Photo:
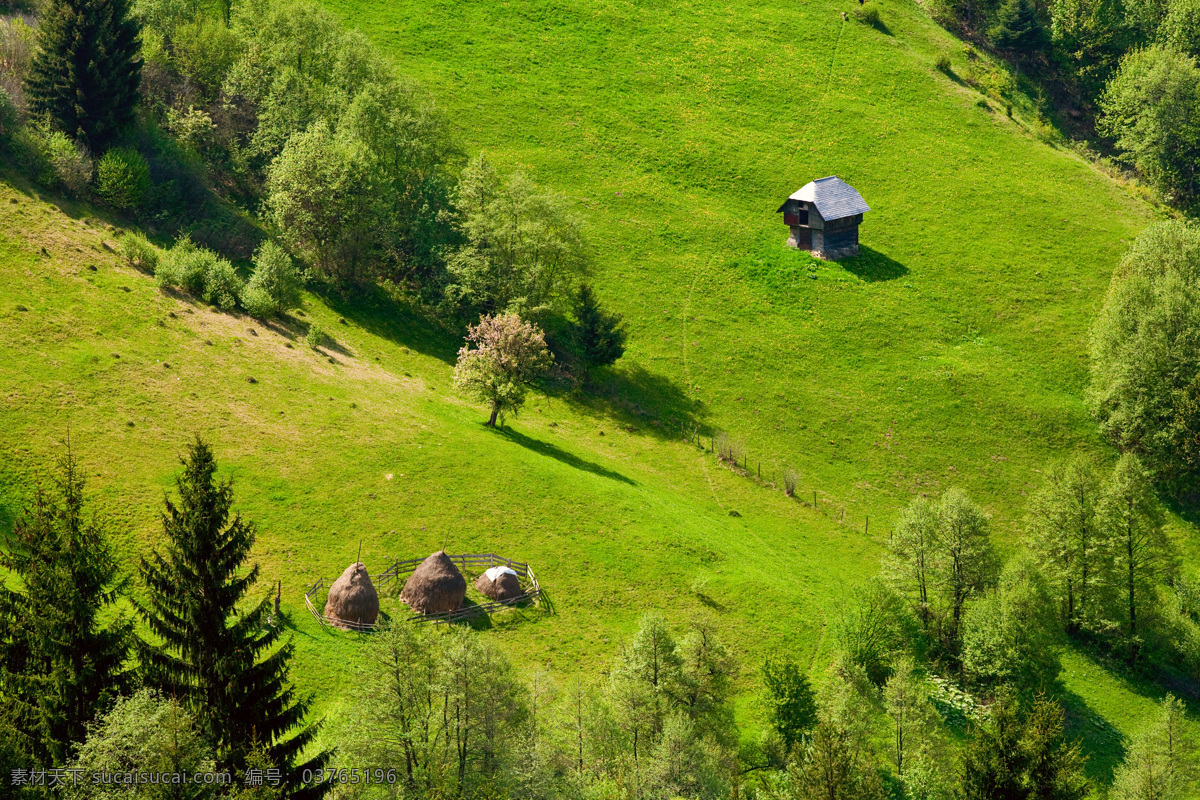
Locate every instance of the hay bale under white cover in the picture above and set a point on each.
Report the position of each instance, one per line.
(499, 583)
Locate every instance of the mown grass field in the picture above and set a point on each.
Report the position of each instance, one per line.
(952, 353)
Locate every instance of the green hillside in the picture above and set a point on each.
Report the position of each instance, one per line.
(951, 353)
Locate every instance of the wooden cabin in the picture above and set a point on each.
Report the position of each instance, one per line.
(824, 217)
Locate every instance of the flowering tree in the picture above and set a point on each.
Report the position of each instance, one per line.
(508, 353)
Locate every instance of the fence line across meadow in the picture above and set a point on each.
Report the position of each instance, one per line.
(466, 561)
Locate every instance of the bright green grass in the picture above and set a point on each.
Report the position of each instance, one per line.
(952, 353)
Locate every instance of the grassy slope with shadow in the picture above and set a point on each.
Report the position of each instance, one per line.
(677, 127)
(377, 447)
(951, 353)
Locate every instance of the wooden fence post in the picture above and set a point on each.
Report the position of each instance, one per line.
(867, 527)
(814, 498)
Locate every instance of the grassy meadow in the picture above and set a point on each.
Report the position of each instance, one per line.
(952, 352)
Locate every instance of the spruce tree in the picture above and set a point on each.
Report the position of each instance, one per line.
(598, 336)
(220, 659)
(59, 665)
(87, 69)
(1017, 28)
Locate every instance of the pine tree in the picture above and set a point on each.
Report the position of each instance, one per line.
(1017, 28)
(598, 336)
(59, 665)
(1020, 753)
(219, 659)
(87, 69)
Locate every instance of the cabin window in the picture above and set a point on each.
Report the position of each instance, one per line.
(802, 216)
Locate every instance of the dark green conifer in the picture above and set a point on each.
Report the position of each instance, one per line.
(59, 665)
(220, 659)
(598, 336)
(87, 69)
(1018, 28)
(1020, 752)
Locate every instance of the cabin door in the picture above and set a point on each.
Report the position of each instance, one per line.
(803, 238)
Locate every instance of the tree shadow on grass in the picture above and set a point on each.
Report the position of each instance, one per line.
(636, 399)
(1103, 744)
(401, 321)
(873, 266)
(557, 453)
(882, 27)
(629, 396)
(952, 75)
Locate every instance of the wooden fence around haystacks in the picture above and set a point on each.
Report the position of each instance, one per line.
(474, 561)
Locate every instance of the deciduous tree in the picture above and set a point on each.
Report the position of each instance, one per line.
(507, 356)
(275, 283)
(966, 561)
(144, 733)
(1064, 532)
(911, 550)
(524, 248)
(1142, 553)
(1012, 634)
(1149, 108)
(913, 719)
(1145, 354)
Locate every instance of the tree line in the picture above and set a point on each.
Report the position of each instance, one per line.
(206, 688)
(949, 644)
(1124, 71)
(174, 112)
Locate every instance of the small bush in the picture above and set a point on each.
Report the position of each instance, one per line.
(790, 479)
(199, 272)
(184, 266)
(943, 63)
(276, 277)
(54, 161)
(222, 286)
(123, 179)
(869, 15)
(315, 336)
(138, 252)
(257, 302)
(728, 449)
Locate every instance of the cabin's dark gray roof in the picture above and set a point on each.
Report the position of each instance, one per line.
(833, 197)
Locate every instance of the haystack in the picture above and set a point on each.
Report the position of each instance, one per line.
(499, 583)
(436, 586)
(352, 599)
